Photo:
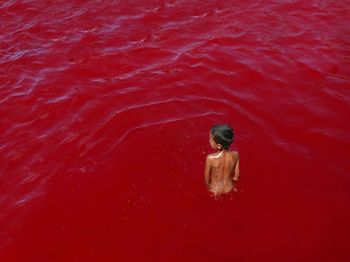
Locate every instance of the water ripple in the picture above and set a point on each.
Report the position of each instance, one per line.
(79, 79)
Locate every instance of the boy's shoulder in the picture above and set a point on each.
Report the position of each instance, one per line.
(210, 156)
(235, 153)
(213, 156)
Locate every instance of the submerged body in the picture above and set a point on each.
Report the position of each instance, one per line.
(222, 170)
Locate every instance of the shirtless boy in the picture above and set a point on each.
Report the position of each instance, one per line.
(221, 167)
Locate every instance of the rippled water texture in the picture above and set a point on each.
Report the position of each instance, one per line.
(105, 111)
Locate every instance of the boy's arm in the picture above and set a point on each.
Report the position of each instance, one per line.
(236, 176)
(207, 171)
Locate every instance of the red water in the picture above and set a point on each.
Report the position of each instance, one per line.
(105, 111)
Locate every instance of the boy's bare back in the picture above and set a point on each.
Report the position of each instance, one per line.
(222, 169)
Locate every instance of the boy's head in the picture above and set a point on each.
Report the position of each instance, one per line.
(222, 136)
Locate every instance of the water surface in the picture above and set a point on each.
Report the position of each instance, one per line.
(105, 110)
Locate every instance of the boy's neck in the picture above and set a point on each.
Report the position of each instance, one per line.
(222, 150)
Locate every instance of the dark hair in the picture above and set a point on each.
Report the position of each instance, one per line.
(222, 134)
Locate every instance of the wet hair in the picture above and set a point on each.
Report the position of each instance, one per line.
(222, 134)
